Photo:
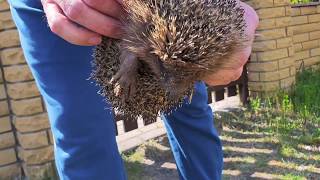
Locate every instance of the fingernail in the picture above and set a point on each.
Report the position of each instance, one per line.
(95, 40)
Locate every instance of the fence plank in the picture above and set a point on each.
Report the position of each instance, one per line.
(128, 123)
(209, 91)
(243, 87)
(219, 95)
(232, 91)
(149, 120)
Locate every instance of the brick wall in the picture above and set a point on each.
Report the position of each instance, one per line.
(286, 37)
(9, 161)
(306, 35)
(25, 139)
(272, 66)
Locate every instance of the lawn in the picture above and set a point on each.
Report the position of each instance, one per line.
(248, 154)
(273, 138)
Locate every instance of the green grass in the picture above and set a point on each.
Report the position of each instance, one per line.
(302, 1)
(291, 114)
(133, 163)
(285, 123)
(293, 177)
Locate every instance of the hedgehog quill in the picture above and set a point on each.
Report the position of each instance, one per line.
(167, 46)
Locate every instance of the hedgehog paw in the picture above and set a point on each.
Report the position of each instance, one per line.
(125, 85)
(125, 78)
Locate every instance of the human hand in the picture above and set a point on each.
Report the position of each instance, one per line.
(83, 22)
(226, 75)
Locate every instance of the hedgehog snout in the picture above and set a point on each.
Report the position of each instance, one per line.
(173, 86)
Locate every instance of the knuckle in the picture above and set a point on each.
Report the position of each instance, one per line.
(75, 10)
(56, 26)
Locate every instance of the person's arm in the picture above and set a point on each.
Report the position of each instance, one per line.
(225, 76)
(82, 22)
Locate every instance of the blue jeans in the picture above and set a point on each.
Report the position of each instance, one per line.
(83, 130)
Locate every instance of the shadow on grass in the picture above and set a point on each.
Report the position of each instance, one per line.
(250, 152)
(258, 155)
(151, 161)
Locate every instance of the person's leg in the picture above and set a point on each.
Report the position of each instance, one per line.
(194, 140)
(84, 132)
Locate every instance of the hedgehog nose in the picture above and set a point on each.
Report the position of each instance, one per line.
(171, 92)
(169, 85)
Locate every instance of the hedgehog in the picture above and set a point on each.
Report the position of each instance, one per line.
(167, 46)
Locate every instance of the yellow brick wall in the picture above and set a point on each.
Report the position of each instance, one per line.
(288, 38)
(272, 66)
(9, 161)
(305, 27)
(26, 145)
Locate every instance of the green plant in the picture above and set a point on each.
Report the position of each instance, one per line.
(292, 177)
(293, 113)
(286, 104)
(302, 1)
(255, 105)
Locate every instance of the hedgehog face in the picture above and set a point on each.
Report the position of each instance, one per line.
(175, 87)
(176, 81)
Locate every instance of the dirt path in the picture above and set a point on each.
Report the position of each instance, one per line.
(151, 161)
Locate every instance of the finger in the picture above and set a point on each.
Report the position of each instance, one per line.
(223, 77)
(214, 80)
(237, 60)
(241, 57)
(236, 75)
(108, 7)
(231, 75)
(64, 28)
(91, 19)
